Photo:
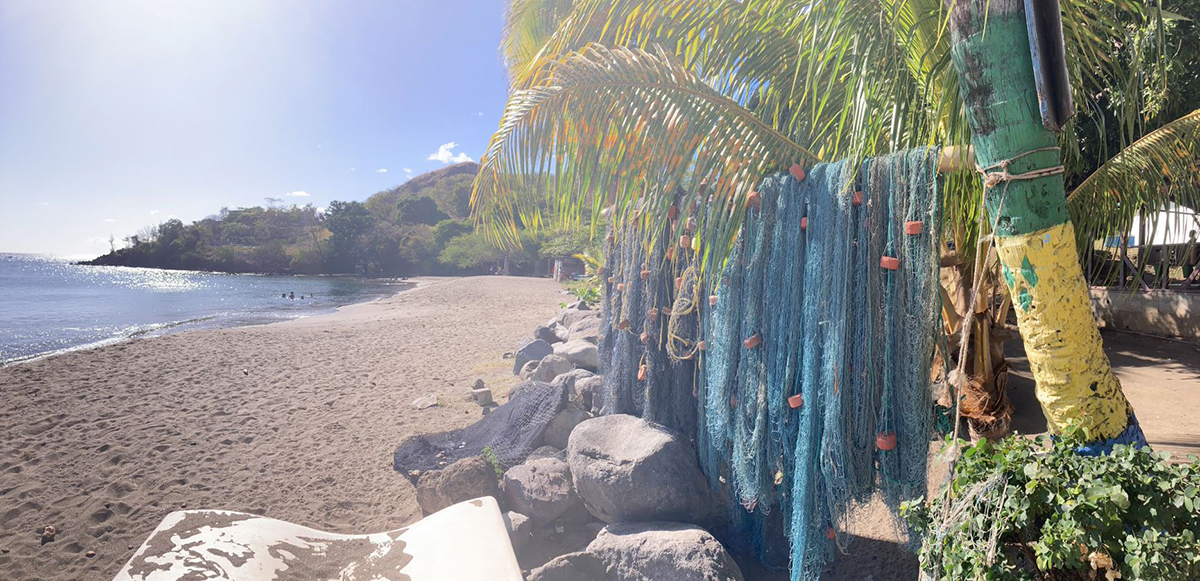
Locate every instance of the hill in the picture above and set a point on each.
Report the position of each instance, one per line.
(419, 227)
(449, 188)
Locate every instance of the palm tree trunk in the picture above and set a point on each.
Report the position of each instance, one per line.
(1033, 234)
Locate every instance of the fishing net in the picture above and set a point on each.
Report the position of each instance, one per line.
(641, 377)
(510, 432)
(807, 354)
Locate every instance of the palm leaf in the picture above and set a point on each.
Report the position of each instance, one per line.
(627, 128)
(1162, 167)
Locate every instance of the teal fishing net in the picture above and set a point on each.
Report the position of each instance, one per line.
(812, 391)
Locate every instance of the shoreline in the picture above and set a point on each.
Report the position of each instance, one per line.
(158, 330)
(296, 420)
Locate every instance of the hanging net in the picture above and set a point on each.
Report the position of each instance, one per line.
(800, 367)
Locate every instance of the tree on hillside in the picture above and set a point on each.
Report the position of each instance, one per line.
(448, 229)
(422, 210)
(346, 222)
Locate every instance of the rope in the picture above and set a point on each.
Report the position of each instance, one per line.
(990, 180)
(993, 179)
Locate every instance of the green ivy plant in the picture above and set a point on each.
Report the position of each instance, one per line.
(1025, 508)
(490, 455)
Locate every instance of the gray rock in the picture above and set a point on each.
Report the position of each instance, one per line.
(463, 480)
(532, 351)
(550, 367)
(569, 380)
(586, 330)
(591, 392)
(579, 306)
(560, 428)
(627, 469)
(569, 317)
(540, 488)
(426, 401)
(581, 354)
(662, 550)
(546, 334)
(559, 331)
(520, 530)
(482, 396)
(578, 566)
(527, 371)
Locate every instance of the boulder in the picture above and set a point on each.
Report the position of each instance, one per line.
(560, 428)
(559, 331)
(579, 306)
(569, 317)
(578, 566)
(662, 550)
(463, 480)
(532, 351)
(546, 334)
(586, 330)
(550, 367)
(540, 488)
(627, 469)
(581, 354)
(520, 530)
(591, 392)
(569, 380)
(527, 371)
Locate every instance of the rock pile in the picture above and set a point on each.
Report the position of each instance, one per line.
(610, 497)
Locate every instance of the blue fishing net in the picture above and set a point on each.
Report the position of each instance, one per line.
(829, 295)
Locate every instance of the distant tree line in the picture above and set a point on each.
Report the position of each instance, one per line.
(419, 228)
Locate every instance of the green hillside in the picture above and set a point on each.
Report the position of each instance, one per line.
(449, 188)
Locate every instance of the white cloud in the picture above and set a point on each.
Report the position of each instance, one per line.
(444, 154)
(44, 204)
(110, 220)
(408, 170)
(479, 113)
(353, 169)
(381, 170)
(321, 210)
(153, 212)
(297, 194)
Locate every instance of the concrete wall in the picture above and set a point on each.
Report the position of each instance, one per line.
(1158, 312)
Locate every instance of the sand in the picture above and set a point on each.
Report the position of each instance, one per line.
(103, 443)
(295, 420)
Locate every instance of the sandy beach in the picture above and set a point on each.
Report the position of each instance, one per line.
(298, 421)
(295, 420)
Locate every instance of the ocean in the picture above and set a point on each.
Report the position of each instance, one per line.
(48, 305)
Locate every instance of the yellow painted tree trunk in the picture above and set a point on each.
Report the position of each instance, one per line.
(1033, 233)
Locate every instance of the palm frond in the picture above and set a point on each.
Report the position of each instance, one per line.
(627, 128)
(1161, 168)
(529, 24)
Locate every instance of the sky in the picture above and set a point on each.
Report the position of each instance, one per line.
(117, 114)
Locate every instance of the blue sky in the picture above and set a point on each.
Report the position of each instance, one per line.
(115, 114)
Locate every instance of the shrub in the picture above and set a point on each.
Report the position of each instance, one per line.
(1035, 509)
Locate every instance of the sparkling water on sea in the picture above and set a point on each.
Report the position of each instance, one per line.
(48, 305)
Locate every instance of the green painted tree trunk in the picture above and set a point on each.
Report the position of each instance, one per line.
(1033, 233)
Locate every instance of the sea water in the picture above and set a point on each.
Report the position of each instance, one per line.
(49, 305)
